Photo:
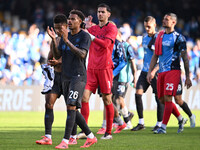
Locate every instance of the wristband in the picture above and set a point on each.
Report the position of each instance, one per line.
(92, 36)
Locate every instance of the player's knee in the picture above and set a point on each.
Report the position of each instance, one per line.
(107, 101)
(86, 96)
(85, 99)
(49, 105)
(178, 101)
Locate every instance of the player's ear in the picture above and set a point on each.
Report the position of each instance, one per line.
(109, 14)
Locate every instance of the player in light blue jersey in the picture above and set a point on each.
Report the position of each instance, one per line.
(142, 84)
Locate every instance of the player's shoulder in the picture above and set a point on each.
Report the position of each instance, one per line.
(83, 34)
(111, 25)
(179, 36)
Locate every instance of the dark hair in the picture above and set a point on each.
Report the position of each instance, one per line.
(104, 5)
(80, 15)
(60, 18)
(149, 18)
(173, 16)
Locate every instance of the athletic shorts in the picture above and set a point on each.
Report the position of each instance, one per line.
(180, 88)
(144, 85)
(99, 77)
(57, 84)
(119, 88)
(167, 82)
(73, 90)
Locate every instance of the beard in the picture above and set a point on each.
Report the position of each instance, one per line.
(165, 26)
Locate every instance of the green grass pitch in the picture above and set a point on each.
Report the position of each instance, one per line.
(20, 130)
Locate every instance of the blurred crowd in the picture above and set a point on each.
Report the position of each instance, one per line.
(24, 44)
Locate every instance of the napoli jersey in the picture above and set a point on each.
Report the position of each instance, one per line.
(72, 65)
(149, 48)
(125, 73)
(172, 45)
(118, 54)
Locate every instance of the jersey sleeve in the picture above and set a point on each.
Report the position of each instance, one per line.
(181, 43)
(111, 33)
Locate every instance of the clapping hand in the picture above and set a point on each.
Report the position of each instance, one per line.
(51, 32)
(88, 22)
(64, 33)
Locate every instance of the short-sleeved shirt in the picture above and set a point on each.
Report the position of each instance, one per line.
(101, 57)
(148, 51)
(72, 65)
(172, 45)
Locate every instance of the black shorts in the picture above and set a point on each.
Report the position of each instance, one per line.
(57, 84)
(119, 88)
(180, 88)
(73, 90)
(143, 84)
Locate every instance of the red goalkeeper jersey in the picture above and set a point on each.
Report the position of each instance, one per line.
(100, 52)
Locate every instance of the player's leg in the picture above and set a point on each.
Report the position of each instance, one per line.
(49, 115)
(91, 139)
(50, 99)
(141, 87)
(71, 95)
(109, 115)
(118, 120)
(160, 106)
(90, 88)
(121, 92)
(48, 119)
(167, 85)
(80, 120)
(85, 111)
(183, 105)
(105, 82)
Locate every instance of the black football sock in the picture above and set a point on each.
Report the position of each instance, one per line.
(48, 120)
(160, 109)
(126, 119)
(71, 116)
(74, 131)
(80, 121)
(186, 109)
(139, 105)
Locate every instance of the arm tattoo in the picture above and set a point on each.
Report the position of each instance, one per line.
(186, 62)
(79, 52)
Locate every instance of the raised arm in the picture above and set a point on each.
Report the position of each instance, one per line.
(82, 53)
(54, 45)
